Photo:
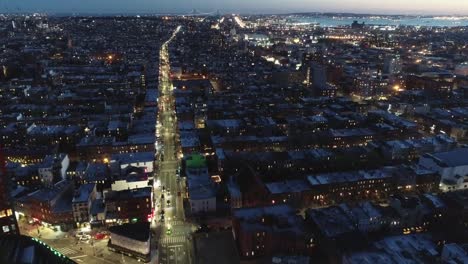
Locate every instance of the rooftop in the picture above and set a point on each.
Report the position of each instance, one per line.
(133, 157)
(454, 158)
(351, 176)
(195, 161)
(332, 221)
(83, 192)
(138, 231)
(275, 218)
(291, 186)
(216, 247)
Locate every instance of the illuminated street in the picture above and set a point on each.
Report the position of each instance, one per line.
(174, 244)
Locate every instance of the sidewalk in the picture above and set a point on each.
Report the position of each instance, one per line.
(39, 231)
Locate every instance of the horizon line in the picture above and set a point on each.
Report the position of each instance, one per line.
(179, 13)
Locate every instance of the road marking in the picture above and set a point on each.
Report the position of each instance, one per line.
(173, 240)
(82, 256)
(175, 246)
(67, 251)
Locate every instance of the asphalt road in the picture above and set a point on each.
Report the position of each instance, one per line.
(92, 251)
(174, 243)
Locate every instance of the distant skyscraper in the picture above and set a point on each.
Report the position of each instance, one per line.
(392, 65)
(233, 32)
(307, 80)
(357, 25)
(69, 42)
(8, 224)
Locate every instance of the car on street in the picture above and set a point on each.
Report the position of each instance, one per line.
(99, 236)
(85, 238)
(80, 234)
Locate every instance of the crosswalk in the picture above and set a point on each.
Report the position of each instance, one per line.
(176, 222)
(67, 251)
(173, 240)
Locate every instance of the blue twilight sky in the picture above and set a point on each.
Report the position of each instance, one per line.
(459, 7)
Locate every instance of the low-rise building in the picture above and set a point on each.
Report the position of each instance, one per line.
(131, 239)
(50, 206)
(129, 205)
(53, 169)
(338, 186)
(452, 167)
(202, 196)
(82, 201)
(131, 178)
(396, 249)
(264, 231)
(201, 191)
(140, 159)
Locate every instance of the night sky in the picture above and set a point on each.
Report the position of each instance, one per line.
(252, 6)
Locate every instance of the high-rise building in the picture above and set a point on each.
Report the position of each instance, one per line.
(8, 224)
(319, 75)
(392, 65)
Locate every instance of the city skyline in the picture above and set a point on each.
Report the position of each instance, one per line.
(418, 7)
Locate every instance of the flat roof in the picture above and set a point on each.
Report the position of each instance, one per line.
(216, 247)
(288, 186)
(83, 193)
(138, 231)
(195, 161)
(454, 158)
